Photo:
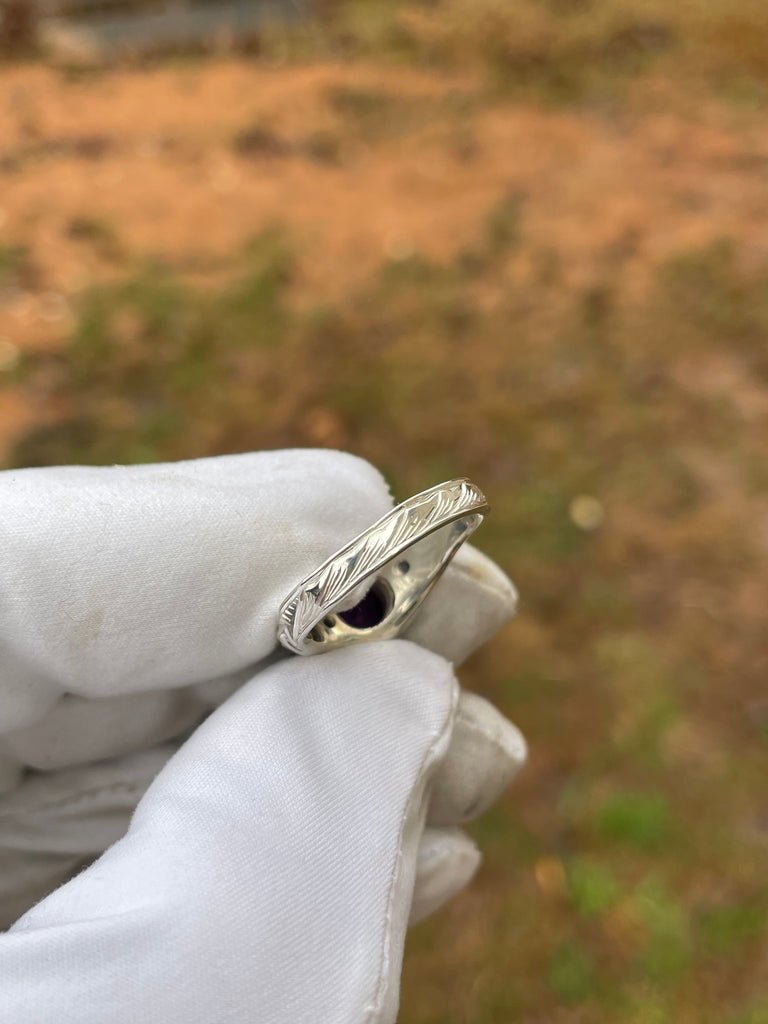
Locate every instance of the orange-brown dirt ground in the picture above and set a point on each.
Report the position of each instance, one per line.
(151, 156)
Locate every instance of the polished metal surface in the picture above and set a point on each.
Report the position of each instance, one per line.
(370, 588)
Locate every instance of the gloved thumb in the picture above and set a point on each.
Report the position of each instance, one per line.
(268, 871)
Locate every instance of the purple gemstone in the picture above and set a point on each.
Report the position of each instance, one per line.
(366, 613)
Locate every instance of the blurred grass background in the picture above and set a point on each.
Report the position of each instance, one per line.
(586, 337)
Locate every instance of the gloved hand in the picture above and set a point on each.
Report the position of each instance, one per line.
(271, 867)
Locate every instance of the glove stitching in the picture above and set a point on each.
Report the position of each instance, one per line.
(417, 793)
(73, 801)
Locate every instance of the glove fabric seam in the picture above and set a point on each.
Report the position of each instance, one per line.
(73, 801)
(417, 793)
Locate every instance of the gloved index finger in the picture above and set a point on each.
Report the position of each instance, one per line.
(123, 579)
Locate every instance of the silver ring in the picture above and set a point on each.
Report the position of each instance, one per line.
(370, 588)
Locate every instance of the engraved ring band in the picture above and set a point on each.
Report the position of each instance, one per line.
(371, 588)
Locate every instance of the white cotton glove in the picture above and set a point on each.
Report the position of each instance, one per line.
(271, 868)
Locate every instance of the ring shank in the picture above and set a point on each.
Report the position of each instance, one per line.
(392, 566)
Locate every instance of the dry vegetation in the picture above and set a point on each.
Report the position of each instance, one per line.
(523, 242)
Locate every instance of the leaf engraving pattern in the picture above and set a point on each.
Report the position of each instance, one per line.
(403, 526)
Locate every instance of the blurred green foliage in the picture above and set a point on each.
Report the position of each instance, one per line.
(571, 973)
(725, 930)
(592, 887)
(551, 51)
(11, 257)
(637, 818)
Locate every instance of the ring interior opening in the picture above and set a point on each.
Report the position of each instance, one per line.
(397, 592)
(372, 610)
